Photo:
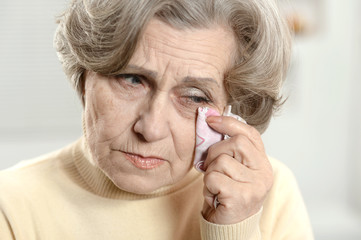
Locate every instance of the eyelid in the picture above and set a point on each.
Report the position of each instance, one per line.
(124, 76)
(149, 81)
(197, 92)
(204, 92)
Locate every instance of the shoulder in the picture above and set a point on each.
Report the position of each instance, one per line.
(31, 176)
(284, 210)
(285, 186)
(23, 180)
(282, 174)
(28, 169)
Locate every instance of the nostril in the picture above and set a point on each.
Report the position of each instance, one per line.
(141, 138)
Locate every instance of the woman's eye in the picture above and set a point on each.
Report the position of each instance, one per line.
(130, 78)
(195, 96)
(133, 85)
(198, 99)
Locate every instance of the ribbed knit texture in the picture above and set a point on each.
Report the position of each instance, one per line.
(248, 229)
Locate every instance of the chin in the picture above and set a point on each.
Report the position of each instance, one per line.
(139, 184)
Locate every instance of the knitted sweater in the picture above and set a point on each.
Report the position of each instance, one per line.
(63, 196)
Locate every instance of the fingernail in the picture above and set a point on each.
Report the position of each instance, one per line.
(214, 119)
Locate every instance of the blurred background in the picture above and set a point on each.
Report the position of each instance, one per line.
(317, 134)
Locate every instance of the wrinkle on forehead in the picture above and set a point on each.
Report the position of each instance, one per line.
(195, 44)
(152, 47)
(199, 53)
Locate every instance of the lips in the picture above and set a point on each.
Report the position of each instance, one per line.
(144, 163)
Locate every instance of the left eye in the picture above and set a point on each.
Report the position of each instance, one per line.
(195, 96)
(198, 99)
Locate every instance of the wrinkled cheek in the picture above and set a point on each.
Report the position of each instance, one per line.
(95, 136)
(98, 107)
(100, 128)
(186, 144)
(98, 138)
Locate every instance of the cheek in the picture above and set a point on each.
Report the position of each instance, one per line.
(105, 115)
(185, 140)
(184, 147)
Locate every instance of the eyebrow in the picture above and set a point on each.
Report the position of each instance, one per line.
(142, 71)
(200, 80)
(154, 75)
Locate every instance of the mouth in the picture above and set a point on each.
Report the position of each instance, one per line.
(144, 163)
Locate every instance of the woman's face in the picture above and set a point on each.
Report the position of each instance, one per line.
(140, 125)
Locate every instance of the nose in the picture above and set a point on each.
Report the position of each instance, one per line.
(153, 122)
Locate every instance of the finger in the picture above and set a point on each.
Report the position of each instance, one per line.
(208, 196)
(232, 168)
(232, 127)
(240, 148)
(219, 148)
(214, 185)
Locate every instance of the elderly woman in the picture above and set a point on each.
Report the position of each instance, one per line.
(142, 70)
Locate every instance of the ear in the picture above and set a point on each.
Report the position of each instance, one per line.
(81, 86)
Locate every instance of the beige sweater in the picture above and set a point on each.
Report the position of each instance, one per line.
(62, 196)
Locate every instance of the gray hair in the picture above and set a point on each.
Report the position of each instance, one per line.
(102, 35)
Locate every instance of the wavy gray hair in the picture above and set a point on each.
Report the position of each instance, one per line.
(102, 35)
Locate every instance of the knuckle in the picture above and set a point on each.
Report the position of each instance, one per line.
(239, 140)
(219, 161)
(216, 164)
(211, 178)
(253, 133)
(211, 151)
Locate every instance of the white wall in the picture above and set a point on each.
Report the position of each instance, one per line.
(317, 134)
(354, 126)
(39, 111)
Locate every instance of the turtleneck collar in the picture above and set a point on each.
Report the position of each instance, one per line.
(91, 178)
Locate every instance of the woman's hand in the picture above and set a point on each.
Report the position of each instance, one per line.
(237, 171)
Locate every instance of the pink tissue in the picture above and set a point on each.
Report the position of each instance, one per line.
(205, 136)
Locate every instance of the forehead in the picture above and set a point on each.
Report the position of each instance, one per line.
(201, 52)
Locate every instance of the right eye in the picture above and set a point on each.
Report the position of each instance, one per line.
(131, 85)
(131, 79)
